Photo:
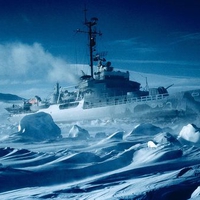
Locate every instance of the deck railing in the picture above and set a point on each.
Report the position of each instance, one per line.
(117, 100)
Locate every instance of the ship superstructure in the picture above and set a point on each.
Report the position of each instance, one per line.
(103, 93)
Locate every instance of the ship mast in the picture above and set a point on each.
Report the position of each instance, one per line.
(92, 33)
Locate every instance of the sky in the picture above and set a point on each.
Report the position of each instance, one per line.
(39, 44)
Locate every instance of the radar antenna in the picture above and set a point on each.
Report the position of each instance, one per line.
(92, 33)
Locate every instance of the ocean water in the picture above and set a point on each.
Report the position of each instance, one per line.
(154, 158)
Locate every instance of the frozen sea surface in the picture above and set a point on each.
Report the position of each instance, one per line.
(155, 158)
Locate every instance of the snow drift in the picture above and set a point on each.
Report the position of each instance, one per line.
(98, 160)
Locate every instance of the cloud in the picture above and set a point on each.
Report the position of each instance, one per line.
(133, 45)
(28, 70)
(31, 63)
(170, 62)
(184, 37)
(125, 42)
(192, 36)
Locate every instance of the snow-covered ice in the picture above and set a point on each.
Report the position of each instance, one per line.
(38, 127)
(99, 159)
(190, 133)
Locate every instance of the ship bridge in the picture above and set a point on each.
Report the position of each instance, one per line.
(106, 72)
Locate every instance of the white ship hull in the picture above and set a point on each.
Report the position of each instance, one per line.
(133, 107)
